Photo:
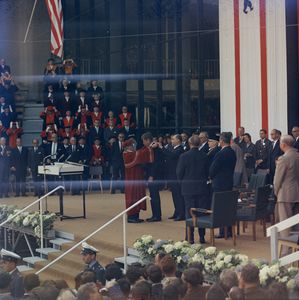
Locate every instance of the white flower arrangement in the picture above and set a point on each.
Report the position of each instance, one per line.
(214, 261)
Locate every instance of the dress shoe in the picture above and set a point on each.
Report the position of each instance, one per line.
(202, 240)
(134, 221)
(172, 217)
(151, 220)
(140, 220)
(220, 236)
(179, 219)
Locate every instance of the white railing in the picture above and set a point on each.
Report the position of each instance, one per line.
(122, 214)
(273, 231)
(40, 214)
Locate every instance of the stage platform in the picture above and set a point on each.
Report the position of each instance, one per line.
(101, 208)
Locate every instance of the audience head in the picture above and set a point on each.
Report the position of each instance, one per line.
(196, 265)
(184, 136)
(194, 141)
(73, 141)
(35, 142)
(204, 137)
(159, 257)
(125, 286)
(154, 274)
(88, 276)
(275, 134)
(111, 123)
(54, 138)
(78, 280)
(110, 114)
(215, 292)
(113, 271)
(249, 276)
(5, 280)
(19, 142)
(225, 139)
(277, 291)
(247, 138)
(168, 266)
(134, 274)
(121, 137)
(126, 123)
(176, 140)
(88, 291)
(175, 290)
(31, 281)
(45, 292)
(2, 141)
(193, 277)
(241, 131)
(61, 284)
(295, 132)
(286, 142)
(67, 294)
(228, 279)
(141, 290)
(147, 139)
(236, 293)
(124, 109)
(263, 134)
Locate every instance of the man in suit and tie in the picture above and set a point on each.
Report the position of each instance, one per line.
(172, 156)
(110, 132)
(295, 133)
(222, 169)
(274, 153)
(192, 172)
(204, 142)
(74, 156)
(19, 166)
(117, 162)
(35, 158)
(95, 132)
(263, 146)
(239, 140)
(4, 168)
(185, 143)
(286, 181)
(127, 130)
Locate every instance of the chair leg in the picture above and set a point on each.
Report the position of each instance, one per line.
(243, 226)
(101, 184)
(264, 227)
(225, 232)
(254, 230)
(234, 234)
(238, 228)
(212, 238)
(279, 249)
(189, 234)
(272, 219)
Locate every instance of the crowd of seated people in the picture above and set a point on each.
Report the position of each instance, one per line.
(157, 281)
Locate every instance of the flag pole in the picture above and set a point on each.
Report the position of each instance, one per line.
(30, 20)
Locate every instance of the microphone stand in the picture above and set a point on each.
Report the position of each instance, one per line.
(45, 181)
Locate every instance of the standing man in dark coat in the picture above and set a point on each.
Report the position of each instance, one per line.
(262, 147)
(295, 133)
(9, 261)
(172, 156)
(4, 168)
(192, 172)
(153, 177)
(204, 142)
(274, 153)
(35, 158)
(117, 162)
(239, 140)
(222, 169)
(19, 166)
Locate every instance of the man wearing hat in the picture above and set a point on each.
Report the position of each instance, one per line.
(89, 254)
(9, 262)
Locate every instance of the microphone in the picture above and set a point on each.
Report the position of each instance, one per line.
(62, 156)
(67, 160)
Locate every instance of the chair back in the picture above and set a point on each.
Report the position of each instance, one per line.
(224, 207)
(252, 182)
(237, 179)
(261, 180)
(262, 201)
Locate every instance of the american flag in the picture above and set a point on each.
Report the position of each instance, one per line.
(55, 13)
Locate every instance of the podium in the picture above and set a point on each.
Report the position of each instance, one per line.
(63, 170)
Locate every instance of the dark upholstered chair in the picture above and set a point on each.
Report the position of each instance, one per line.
(254, 209)
(237, 179)
(222, 214)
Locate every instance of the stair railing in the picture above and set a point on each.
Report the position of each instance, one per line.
(273, 231)
(123, 214)
(40, 201)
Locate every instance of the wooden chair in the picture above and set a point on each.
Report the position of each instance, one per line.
(95, 171)
(254, 209)
(222, 214)
(291, 241)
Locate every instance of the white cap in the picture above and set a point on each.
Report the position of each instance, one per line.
(8, 255)
(88, 249)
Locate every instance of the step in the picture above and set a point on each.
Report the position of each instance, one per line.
(47, 251)
(58, 242)
(31, 260)
(64, 235)
(33, 110)
(130, 260)
(24, 268)
(32, 125)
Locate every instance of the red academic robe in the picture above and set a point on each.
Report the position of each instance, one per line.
(135, 186)
(13, 134)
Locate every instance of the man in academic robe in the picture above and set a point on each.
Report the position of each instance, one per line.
(274, 153)
(9, 261)
(222, 170)
(96, 114)
(172, 155)
(19, 166)
(125, 115)
(135, 185)
(35, 158)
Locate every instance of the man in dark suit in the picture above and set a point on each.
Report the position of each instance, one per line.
(35, 158)
(19, 166)
(67, 104)
(192, 172)
(4, 168)
(185, 143)
(172, 156)
(117, 162)
(3, 67)
(127, 130)
(295, 133)
(9, 264)
(262, 146)
(153, 177)
(84, 159)
(274, 153)
(110, 132)
(83, 101)
(239, 140)
(204, 139)
(222, 169)
(74, 156)
(95, 132)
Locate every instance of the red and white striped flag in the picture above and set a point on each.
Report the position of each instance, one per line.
(55, 13)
